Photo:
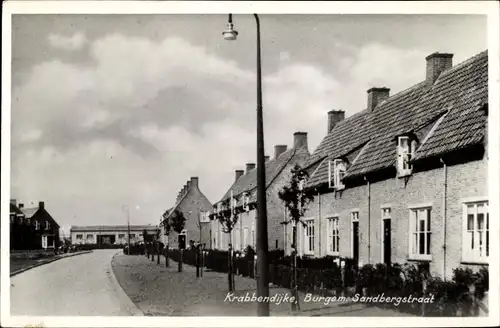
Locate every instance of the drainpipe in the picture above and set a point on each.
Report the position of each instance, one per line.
(445, 187)
(369, 219)
(319, 216)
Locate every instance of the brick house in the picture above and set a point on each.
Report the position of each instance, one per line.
(244, 194)
(32, 228)
(193, 204)
(406, 178)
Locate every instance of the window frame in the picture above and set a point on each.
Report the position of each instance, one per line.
(405, 152)
(415, 222)
(309, 236)
(37, 225)
(333, 237)
(468, 255)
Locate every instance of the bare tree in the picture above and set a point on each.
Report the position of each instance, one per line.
(296, 198)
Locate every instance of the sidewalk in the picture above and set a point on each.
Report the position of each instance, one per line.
(160, 291)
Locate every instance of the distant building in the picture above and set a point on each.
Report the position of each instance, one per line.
(193, 204)
(110, 234)
(243, 194)
(32, 228)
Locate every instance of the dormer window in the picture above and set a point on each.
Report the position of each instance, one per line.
(246, 202)
(336, 173)
(406, 149)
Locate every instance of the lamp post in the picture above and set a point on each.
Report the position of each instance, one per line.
(262, 247)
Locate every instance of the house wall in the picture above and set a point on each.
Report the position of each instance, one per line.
(464, 181)
(275, 212)
(191, 206)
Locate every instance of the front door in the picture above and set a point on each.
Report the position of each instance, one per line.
(355, 241)
(387, 242)
(44, 242)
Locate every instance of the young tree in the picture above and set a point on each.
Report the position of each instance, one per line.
(178, 221)
(145, 238)
(167, 229)
(228, 217)
(296, 198)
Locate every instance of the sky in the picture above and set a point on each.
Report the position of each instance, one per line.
(121, 110)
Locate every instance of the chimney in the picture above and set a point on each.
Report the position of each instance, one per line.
(194, 182)
(266, 158)
(238, 174)
(13, 202)
(279, 149)
(249, 167)
(376, 96)
(300, 140)
(41, 205)
(436, 64)
(21, 205)
(334, 117)
(188, 186)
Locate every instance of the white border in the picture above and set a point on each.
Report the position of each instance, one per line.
(489, 8)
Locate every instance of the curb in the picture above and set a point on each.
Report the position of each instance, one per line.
(131, 307)
(47, 262)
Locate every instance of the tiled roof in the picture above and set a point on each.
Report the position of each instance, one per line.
(97, 228)
(248, 181)
(459, 92)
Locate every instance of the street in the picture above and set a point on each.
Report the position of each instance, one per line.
(81, 285)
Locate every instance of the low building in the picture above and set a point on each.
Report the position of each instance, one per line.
(110, 234)
(193, 204)
(405, 180)
(32, 228)
(243, 194)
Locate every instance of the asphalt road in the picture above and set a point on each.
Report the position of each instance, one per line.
(82, 285)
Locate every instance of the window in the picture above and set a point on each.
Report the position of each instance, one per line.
(90, 237)
(79, 237)
(420, 233)
(132, 235)
(309, 237)
(333, 236)
(245, 237)
(47, 225)
(476, 232)
(336, 172)
(355, 216)
(406, 148)
(28, 221)
(237, 238)
(121, 236)
(204, 217)
(20, 219)
(246, 202)
(37, 225)
(12, 218)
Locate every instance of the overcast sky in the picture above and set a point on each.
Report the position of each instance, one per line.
(109, 110)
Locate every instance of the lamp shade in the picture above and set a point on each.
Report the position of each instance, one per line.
(230, 33)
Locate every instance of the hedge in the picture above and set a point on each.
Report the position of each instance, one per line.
(324, 276)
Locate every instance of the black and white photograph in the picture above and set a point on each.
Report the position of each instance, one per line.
(172, 163)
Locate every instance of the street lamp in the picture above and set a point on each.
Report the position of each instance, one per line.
(262, 247)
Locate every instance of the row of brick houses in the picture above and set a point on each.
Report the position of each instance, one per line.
(403, 180)
(32, 228)
(243, 192)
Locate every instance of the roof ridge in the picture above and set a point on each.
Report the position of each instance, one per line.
(463, 63)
